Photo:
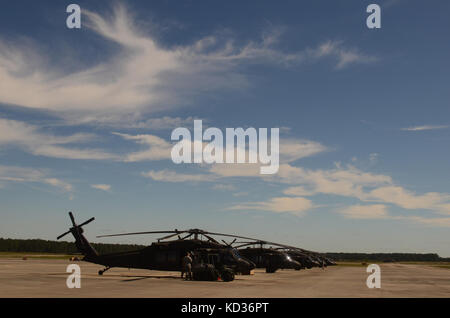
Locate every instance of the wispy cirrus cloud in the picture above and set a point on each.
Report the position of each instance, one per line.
(426, 127)
(381, 212)
(39, 143)
(155, 148)
(296, 206)
(143, 76)
(172, 176)
(375, 211)
(135, 120)
(343, 55)
(103, 187)
(31, 175)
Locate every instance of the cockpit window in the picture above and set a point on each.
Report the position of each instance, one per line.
(236, 253)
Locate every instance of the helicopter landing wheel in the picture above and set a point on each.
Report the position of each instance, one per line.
(227, 276)
(100, 272)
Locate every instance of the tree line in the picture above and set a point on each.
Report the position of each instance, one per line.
(387, 257)
(56, 247)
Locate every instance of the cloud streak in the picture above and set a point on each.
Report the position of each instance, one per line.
(31, 175)
(33, 140)
(296, 206)
(376, 211)
(426, 127)
(103, 187)
(172, 176)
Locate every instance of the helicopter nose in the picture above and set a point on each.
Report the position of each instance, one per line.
(296, 264)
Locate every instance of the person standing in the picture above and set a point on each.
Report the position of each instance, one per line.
(187, 266)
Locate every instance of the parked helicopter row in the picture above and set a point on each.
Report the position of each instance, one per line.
(212, 259)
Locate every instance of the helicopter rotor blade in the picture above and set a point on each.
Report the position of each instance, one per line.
(88, 221)
(243, 245)
(138, 233)
(63, 235)
(254, 241)
(75, 227)
(231, 235)
(210, 238)
(169, 236)
(229, 244)
(72, 219)
(185, 237)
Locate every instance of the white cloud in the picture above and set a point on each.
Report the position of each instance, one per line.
(103, 187)
(31, 175)
(156, 148)
(406, 199)
(293, 149)
(426, 127)
(132, 121)
(163, 123)
(172, 176)
(354, 183)
(343, 55)
(58, 183)
(296, 206)
(340, 181)
(290, 150)
(298, 191)
(376, 211)
(33, 140)
(347, 182)
(380, 211)
(142, 76)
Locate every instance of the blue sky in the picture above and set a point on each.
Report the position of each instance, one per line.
(86, 117)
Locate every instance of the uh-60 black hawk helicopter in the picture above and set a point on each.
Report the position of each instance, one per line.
(268, 258)
(211, 258)
(273, 256)
(308, 259)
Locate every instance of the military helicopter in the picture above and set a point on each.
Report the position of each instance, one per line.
(213, 257)
(276, 256)
(308, 258)
(266, 257)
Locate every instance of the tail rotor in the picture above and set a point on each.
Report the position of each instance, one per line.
(76, 229)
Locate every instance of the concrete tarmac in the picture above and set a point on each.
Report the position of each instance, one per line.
(47, 278)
